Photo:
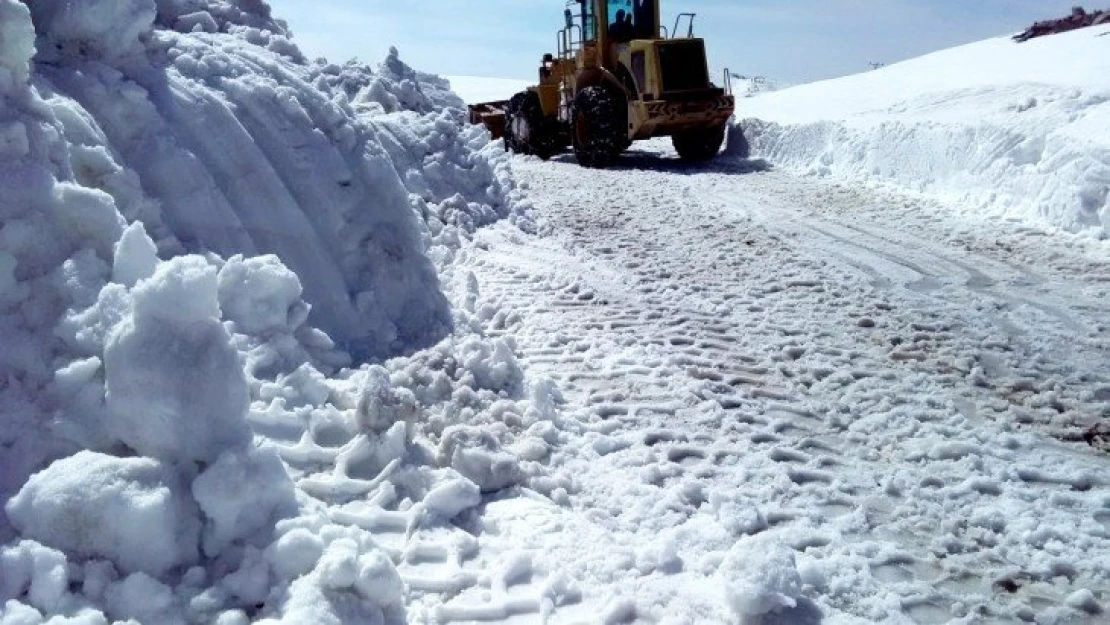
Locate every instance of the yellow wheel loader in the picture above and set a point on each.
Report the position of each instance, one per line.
(618, 75)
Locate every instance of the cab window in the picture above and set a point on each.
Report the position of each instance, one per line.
(632, 19)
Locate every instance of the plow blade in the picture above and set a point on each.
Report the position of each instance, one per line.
(491, 115)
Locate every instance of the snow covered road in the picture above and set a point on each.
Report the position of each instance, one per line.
(789, 401)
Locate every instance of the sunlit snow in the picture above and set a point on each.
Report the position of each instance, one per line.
(286, 341)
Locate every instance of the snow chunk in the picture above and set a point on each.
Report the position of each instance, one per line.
(141, 597)
(378, 580)
(736, 514)
(175, 386)
(1083, 600)
(11, 291)
(136, 256)
(242, 495)
(477, 455)
(295, 553)
(449, 499)
(17, 41)
(199, 21)
(760, 577)
(338, 568)
(132, 511)
(181, 291)
(16, 613)
(87, 217)
(14, 142)
(380, 404)
(258, 293)
(37, 571)
(490, 365)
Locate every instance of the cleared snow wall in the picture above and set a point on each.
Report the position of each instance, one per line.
(241, 147)
(1052, 178)
(1007, 131)
(179, 213)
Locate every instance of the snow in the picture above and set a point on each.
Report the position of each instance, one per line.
(242, 495)
(136, 256)
(200, 230)
(286, 341)
(259, 294)
(131, 511)
(733, 443)
(174, 385)
(1005, 130)
(760, 578)
(17, 46)
(106, 29)
(475, 89)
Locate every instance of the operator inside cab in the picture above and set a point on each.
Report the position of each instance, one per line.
(631, 19)
(622, 30)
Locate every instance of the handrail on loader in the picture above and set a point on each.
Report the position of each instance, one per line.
(690, 28)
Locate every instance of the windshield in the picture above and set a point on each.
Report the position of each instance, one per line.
(632, 19)
(589, 22)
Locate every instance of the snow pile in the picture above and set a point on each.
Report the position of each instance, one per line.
(198, 232)
(241, 150)
(456, 177)
(1013, 131)
(393, 87)
(760, 577)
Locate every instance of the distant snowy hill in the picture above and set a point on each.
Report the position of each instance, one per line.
(1008, 130)
(474, 89)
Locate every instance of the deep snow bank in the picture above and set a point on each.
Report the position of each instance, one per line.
(1017, 131)
(184, 202)
(244, 152)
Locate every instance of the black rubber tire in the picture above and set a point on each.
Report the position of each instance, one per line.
(538, 134)
(699, 145)
(512, 111)
(598, 127)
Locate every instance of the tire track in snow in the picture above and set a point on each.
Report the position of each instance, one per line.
(932, 270)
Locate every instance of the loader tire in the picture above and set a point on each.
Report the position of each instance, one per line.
(512, 112)
(701, 144)
(540, 135)
(598, 127)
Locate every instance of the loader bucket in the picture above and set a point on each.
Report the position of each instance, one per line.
(491, 115)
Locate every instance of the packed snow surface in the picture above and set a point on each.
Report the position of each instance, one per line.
(1015, 131)
(286, 342)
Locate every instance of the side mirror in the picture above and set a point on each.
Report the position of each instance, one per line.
(569, 17)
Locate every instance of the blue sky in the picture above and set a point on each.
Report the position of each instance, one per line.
(790, 41)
